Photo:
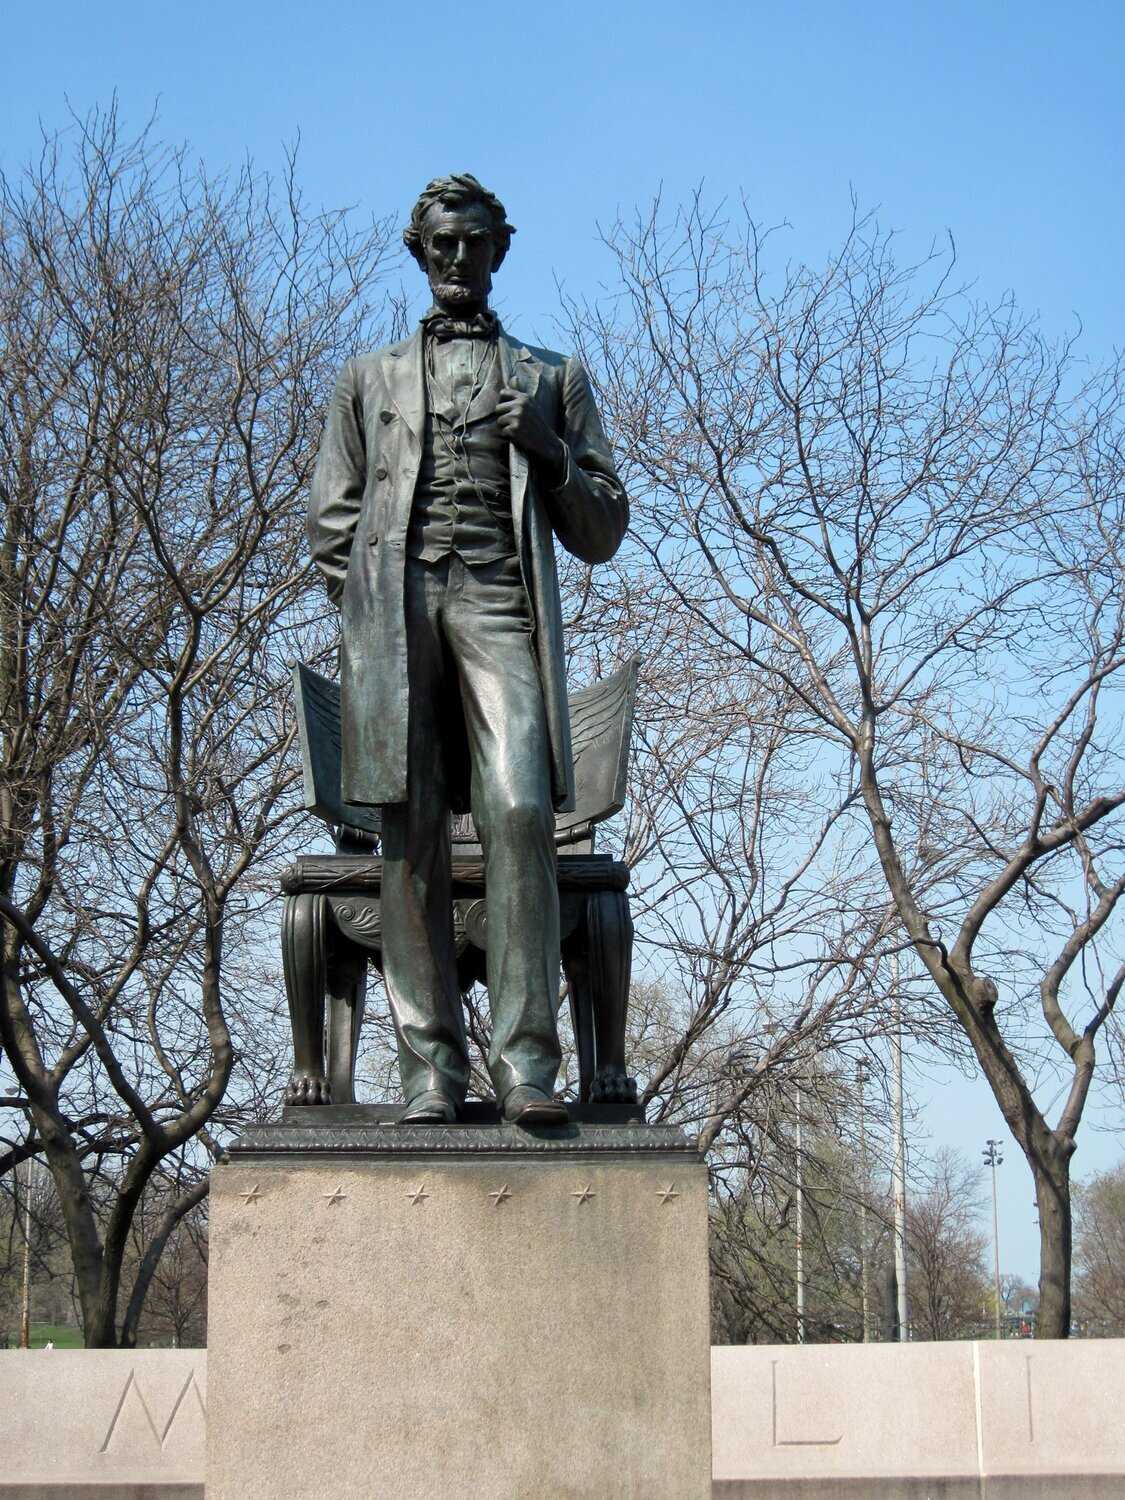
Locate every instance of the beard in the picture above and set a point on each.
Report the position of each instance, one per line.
(456, 293)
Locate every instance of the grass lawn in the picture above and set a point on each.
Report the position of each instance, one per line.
(61, 1334)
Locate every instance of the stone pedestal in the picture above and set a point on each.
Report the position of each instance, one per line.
(419, 1311)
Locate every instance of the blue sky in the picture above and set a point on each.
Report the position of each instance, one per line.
(999, 122)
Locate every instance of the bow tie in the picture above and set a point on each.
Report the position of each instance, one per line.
(483, 326)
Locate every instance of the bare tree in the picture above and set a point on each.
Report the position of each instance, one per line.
(30, 1237)
(949, 1282)
(752, 940)
(899, 512)
(1019, 1304)
(1099, 1254)
(175, 1303)
(792, 1167)
(167, 343)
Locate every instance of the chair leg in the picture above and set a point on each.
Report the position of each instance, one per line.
(576, 967)
(346, 969)
(303, 954)
(610, 949)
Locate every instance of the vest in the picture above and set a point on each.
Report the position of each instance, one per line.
(462, 500)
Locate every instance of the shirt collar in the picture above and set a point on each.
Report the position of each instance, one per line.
(442, 325)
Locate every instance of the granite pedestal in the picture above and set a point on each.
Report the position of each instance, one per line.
(479, 1311)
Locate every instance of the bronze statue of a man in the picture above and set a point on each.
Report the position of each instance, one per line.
(450, 463)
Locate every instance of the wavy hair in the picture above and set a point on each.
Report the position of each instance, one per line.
(458, 190)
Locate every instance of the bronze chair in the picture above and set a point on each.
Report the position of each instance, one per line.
(331, 924)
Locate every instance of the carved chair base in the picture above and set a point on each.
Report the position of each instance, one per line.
(332, 927)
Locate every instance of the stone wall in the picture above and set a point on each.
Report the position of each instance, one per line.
(115, 1424)
(1039, 1420)
(922, 1422)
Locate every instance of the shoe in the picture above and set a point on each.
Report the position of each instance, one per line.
(429, 1108)
(527, 1105)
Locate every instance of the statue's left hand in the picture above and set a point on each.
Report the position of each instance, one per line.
(521, 422)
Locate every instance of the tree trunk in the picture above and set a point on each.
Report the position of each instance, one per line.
(100, 1326)
(1052, 1190)
(151, 1259)
(78, 1217)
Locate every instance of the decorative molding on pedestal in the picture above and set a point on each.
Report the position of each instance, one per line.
(380, 1137)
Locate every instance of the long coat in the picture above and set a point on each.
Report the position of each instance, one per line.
(362, 493)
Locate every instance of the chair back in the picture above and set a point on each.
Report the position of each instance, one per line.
(601, 728)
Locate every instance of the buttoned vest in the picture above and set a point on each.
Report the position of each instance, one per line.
(462, 499)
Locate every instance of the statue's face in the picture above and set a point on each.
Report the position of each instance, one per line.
(459, 249)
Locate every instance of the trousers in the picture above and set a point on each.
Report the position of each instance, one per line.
(468, 632)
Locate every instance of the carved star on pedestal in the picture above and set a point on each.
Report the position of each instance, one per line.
(666, 1194)
(419, 1195)
(501, 1195)
(251, 1195)
(335, 1196)
(584, 1194)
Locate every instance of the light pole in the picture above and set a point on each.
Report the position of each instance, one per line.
(861, 1081)
(993, 1159)
(800, 1226)
(25, 1298)
(899, 1169)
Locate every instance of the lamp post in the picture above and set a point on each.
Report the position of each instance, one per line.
(770, 1029)
(993, 1159)
(800, 1226)
(861, 1081)
(25, 1297)
(899, 1168)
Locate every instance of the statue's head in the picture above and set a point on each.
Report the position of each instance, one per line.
(459, 234)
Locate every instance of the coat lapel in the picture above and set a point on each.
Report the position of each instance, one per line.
(402, 370)
(521, 372)
(518, 366)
